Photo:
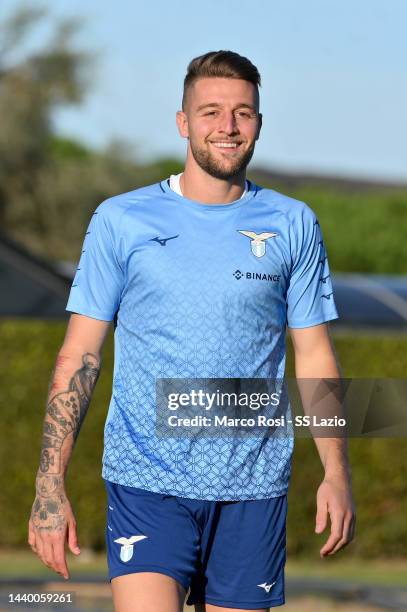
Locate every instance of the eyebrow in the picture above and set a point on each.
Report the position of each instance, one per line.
(217, 105)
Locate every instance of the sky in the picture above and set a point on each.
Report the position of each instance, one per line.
(334, 77)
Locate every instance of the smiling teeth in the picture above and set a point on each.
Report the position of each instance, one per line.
(227, 145)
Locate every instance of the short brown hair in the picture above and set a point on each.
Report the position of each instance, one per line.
(226, 64)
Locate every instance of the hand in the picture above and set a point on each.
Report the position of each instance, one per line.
(334, 498)
(51, 524)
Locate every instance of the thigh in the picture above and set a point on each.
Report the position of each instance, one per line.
(152, 546)
(211, 608)
(244, 556)
(147, 592)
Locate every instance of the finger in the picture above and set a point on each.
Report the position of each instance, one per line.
(344, 541)
(347, 535)
(353, 527)
(336, 534)
(73, 538)
(59, 558)
(48, 553)
(321, 518)
(39, 546)
(31, 537)
(339, 546)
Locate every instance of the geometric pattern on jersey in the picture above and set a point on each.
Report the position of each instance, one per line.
(174, 271)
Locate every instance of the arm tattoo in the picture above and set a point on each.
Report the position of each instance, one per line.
(46, 512)
(65, 413)
(64, 416)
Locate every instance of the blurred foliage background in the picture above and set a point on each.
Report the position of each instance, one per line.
(28, 350)
(49, 187)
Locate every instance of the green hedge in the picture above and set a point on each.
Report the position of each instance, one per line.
(28, 350)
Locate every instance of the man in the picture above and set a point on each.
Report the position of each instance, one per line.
(203, 272)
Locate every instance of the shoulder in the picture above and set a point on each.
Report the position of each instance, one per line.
(114, 207)
(112, 214)
(296, 211)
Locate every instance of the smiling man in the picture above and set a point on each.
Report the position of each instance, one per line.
(203, 272)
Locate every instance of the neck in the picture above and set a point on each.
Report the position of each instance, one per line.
(198, 185)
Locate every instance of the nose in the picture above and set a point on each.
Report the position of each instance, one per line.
(228, 123)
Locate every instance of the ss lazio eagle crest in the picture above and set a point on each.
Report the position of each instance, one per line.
(127, 546)
(258, 241)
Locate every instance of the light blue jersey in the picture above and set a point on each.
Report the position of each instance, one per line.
(200, 291)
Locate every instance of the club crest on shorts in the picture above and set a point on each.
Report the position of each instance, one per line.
(127, 546)
(258, 241)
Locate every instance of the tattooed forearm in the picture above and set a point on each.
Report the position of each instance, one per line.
(65, 413)
(47, 512)
(48, 485)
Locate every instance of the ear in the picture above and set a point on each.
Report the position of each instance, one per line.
(182, 123)
(259, 126)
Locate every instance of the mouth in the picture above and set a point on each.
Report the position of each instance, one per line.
(225, 145)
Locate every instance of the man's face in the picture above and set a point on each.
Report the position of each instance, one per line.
(221, 119)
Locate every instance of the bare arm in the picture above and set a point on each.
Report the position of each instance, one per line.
(72, 383)
(315, 359)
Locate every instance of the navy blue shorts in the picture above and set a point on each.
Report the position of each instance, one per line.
(229, 553)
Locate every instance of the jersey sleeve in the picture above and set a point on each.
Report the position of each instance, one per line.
(98, 283)
(310, 298)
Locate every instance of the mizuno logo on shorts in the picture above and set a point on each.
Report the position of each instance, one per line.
(266, 586)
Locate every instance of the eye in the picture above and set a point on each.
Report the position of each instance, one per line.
(210, 113)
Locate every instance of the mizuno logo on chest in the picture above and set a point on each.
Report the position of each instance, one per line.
(163, 241)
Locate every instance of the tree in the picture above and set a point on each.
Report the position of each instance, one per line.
(49, 186)
(32, 85)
